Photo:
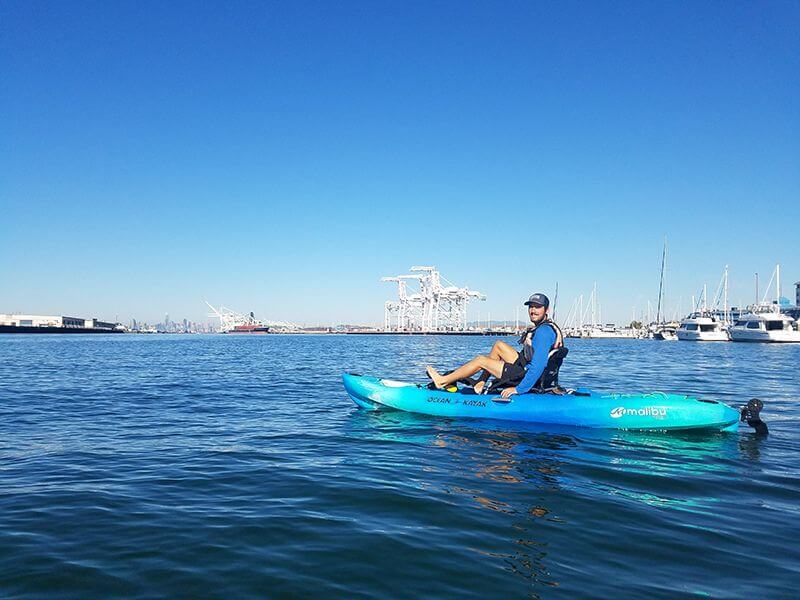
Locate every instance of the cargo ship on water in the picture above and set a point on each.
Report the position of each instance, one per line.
(248, 329)
(232, 322)
(15, 323)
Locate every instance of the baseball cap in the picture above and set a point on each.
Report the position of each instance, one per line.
(538, 299)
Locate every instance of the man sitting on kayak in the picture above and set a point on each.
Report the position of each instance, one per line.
(520, 369)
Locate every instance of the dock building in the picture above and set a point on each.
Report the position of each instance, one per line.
(794, 311)
(19, 323)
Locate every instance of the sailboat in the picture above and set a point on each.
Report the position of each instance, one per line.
(596, 329)
(661, 330)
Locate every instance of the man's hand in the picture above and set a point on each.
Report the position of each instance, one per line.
(508, 392)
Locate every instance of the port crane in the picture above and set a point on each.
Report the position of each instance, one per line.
(435, 307)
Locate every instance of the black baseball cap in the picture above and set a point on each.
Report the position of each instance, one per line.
(538, 300)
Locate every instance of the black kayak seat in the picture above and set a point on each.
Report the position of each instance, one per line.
(548, 381)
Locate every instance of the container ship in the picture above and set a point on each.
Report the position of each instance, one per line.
(248, 329)
(232, 322)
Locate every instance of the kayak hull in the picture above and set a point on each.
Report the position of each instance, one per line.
(655, 411)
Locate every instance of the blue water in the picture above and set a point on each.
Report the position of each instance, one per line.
(224, 466)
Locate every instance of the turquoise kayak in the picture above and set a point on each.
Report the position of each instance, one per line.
(654, 411)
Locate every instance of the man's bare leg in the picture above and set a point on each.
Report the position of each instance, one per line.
(491, 365)
(500, 351)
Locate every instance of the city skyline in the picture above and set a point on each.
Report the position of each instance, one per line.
(281, 159)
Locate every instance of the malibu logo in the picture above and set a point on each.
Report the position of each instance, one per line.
(647, 411)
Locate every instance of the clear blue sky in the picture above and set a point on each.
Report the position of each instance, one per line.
(281, 157)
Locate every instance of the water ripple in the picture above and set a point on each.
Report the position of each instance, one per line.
(215, 466)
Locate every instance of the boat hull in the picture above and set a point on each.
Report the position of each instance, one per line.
(701, 336)
(655, 411)
(740, 334)
(665, 336)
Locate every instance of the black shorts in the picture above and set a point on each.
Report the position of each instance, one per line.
(514, 372)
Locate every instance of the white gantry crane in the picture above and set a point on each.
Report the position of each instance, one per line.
(407, 310)
(434, 308)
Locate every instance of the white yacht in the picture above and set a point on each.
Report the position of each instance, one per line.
(704, 324)
(764, 322)
(765, 326)
(698, 327)
(609, 330)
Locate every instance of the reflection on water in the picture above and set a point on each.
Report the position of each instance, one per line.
(750, 446)
(514, 469)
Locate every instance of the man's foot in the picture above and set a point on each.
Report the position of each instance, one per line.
(437, 379)
(478, 387)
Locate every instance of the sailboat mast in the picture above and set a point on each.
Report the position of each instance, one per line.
(705, 298)
(661, 282)
(725, 315)
(555, 302)
(756, 288)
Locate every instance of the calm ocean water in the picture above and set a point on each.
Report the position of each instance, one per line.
(224, 466)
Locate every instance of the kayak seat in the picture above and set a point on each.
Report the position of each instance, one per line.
(548, 381)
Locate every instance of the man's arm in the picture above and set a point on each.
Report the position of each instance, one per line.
(543, 340)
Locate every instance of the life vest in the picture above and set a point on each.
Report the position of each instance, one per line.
(527, 341)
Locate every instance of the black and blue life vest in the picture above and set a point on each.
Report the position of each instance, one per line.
(527, 341)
